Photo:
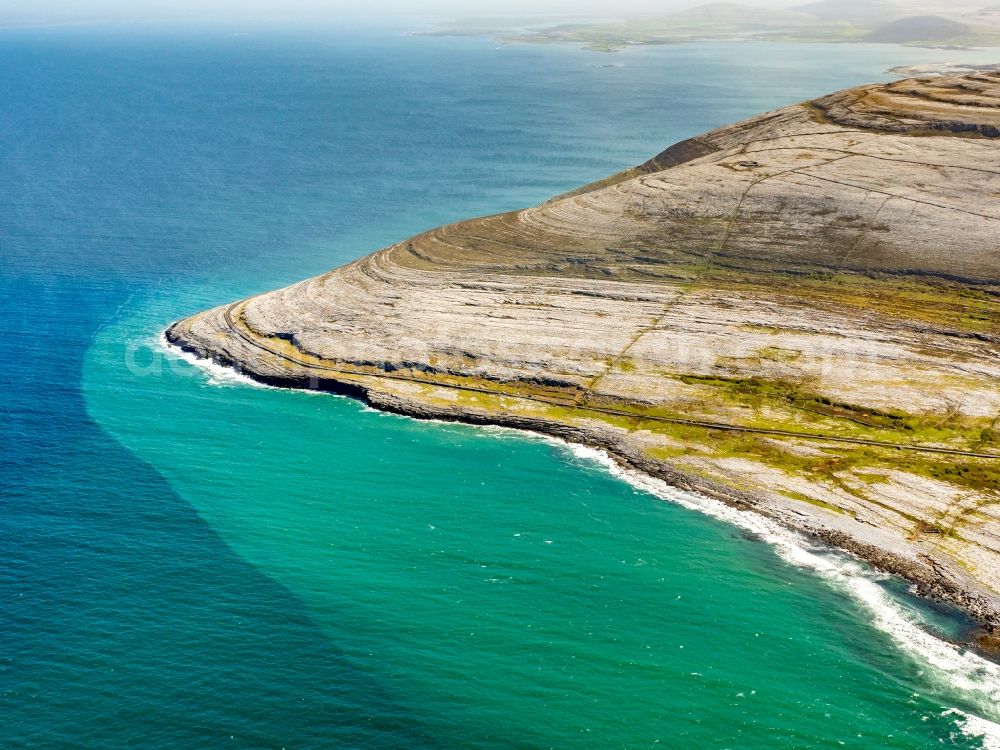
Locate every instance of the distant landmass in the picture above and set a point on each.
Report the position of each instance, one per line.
(919, 29)
(797, 314)
(824, 21)
(930, 70)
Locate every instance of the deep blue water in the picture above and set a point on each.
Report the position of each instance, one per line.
(184, 564)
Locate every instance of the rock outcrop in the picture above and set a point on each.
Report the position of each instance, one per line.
(798, 314)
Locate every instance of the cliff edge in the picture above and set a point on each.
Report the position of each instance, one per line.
(798, 314)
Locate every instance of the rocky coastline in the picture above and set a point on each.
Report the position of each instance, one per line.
(797, 315)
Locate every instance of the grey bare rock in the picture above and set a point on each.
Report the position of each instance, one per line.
(797, 314)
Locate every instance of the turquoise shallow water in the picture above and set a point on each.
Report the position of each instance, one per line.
(190, 561)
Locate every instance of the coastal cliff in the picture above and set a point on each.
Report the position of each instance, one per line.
(798, 314)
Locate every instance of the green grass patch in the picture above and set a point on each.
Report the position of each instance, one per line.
(937, 302)
(802, 497)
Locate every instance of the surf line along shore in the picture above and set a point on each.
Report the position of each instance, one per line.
(797, 314)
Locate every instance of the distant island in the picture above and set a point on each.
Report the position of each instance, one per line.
(798, 314)
(874, 21)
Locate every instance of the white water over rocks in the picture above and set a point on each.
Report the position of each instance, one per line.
(945, 664)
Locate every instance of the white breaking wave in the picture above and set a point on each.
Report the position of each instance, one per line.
(217, 374)
(976, 727)
(948, 666)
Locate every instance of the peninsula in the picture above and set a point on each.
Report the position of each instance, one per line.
(798, 314)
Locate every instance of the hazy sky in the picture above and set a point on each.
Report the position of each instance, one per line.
(60, 11)
(21, 11)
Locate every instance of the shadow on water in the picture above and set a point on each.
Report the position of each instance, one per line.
(126, 619)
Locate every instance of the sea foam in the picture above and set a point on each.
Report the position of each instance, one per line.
(220, 375)
(945, 665)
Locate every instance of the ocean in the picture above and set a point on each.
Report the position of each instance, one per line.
(188, 560)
